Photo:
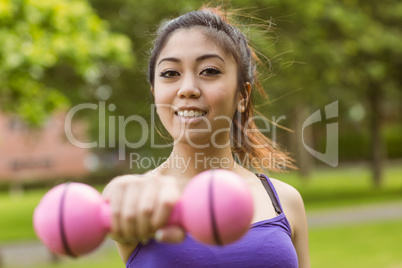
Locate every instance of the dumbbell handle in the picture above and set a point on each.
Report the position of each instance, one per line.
(106, 216)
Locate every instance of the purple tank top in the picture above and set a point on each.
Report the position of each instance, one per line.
(267, 244)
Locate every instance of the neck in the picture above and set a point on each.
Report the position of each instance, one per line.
(186, 161)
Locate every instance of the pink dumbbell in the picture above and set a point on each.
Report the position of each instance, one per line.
(216, 208)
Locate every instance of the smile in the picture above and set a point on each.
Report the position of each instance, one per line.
(190, 113)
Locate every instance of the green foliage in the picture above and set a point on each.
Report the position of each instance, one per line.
(393, 138)
(354, 143)
(36, 36)
(335, 49)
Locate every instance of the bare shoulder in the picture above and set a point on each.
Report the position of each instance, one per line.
(286, 192)
(292, 204)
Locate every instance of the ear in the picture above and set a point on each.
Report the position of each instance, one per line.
(153, 91)
(243, 99)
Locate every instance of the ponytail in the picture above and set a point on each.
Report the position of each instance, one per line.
(250, 147)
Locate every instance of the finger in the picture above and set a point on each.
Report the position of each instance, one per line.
(167, 198)
(115, 206)
(129, 214)
(145, 208)
(170, 234)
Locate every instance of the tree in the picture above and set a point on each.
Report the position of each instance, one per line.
(42, 43)
(341, 50)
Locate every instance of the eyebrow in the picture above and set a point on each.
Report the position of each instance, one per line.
(208, 56)
(200, 58)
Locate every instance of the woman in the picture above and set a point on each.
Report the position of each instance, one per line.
(202, 72)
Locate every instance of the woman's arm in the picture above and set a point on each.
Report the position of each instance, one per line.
(293, 207)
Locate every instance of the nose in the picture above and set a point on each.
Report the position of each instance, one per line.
(189, 88)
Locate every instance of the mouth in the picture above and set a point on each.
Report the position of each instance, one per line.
(190, 113)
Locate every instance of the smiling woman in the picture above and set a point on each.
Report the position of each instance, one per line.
(232, 44)
(202, 72)
(196, 77)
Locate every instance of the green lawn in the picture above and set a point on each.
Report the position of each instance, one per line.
(108, 259)
(345, 186)
(369, 245)
(372, 245)
(327, 188)
(16, 213)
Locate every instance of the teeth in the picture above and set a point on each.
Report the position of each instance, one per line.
(191, 113)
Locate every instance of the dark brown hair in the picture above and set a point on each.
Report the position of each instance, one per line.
(249, 146)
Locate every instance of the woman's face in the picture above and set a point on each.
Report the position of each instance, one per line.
(195, 89)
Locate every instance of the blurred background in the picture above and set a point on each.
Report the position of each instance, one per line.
(73, 73)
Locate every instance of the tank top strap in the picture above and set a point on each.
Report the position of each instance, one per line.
(269, 187)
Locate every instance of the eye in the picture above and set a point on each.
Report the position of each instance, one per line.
(169, 73)
(210, 71)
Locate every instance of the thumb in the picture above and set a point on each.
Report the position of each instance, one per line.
(170, 234)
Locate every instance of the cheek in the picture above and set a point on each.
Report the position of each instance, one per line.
(165, 92)
(162, 104)
(224, 98)
(162, 96)
(158, 94)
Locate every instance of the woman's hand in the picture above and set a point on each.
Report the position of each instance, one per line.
(141, 206)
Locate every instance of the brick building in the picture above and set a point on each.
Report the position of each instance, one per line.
(34, 154)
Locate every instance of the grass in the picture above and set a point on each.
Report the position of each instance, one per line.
(108, 259)
(368, 245)
(16, 214)
(345, 186)
(327, 188)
